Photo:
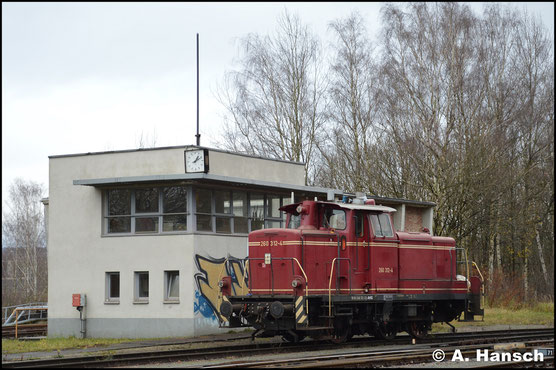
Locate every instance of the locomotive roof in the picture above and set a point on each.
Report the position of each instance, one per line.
(362, 207)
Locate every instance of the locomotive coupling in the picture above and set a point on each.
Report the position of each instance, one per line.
(277, 309)
(226, 309)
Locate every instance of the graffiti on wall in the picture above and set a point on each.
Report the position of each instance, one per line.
(210, 272)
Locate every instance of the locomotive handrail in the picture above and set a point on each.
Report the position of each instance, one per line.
(482, 302)
(330, 282)
(306, 279)
(479, 271)
(460, 261)
(466, 262)
(452, 266)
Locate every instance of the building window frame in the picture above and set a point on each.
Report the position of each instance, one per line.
(109, 296)
(267, 217)
(171, 277)
(188, 222)
(159, 216)
(138, 289)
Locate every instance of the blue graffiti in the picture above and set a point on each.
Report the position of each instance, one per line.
(202, 306)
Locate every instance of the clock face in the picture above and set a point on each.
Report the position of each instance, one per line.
(195, 161)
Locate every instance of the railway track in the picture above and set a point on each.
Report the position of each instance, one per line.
(373, 358)
(27, 330)
(149, 357)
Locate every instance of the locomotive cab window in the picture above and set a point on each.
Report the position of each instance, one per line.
(294, 221)
(359, 224)
(334, 219)
(381, 225)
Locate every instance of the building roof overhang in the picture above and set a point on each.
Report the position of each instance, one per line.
(204, 178)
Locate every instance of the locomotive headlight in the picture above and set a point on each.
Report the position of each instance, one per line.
(221, 283)
(295, 283)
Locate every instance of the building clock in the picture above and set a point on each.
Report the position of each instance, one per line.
(196, 160)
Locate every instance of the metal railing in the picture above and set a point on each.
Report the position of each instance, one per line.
(9, 313)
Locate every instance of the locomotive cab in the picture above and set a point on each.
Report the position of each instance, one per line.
(341, 269)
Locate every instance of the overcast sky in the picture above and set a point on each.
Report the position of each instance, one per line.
(86, 77)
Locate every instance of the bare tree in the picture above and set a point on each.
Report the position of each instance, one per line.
(469, 113)
(352, 107)
(23, 237)
(274, 102)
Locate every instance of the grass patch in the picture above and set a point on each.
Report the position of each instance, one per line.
(539, 314)
(57, 344)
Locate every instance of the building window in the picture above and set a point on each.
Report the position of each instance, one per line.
(156, 210)
(146, 210)
(141, 284)
(237, 212)
(240, 220)
(273, 215)
(119, 211)
(113, 287)
(171, 285)
(203, 207)
(146, 200)
(174, 204)
(256, 214)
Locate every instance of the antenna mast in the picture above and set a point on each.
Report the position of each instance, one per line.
(198, 136)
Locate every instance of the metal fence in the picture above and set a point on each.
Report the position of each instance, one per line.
(24, 313)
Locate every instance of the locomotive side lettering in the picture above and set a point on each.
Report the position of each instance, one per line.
(387, 270)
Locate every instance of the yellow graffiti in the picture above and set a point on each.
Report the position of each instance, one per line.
(212, 271)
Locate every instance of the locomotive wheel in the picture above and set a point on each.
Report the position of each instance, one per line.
(417, 329)
(341, 332)
(288, 337)
(385, 331)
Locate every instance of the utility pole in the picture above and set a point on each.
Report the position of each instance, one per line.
(198, 136)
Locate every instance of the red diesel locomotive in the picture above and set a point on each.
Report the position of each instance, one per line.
(340, 269)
